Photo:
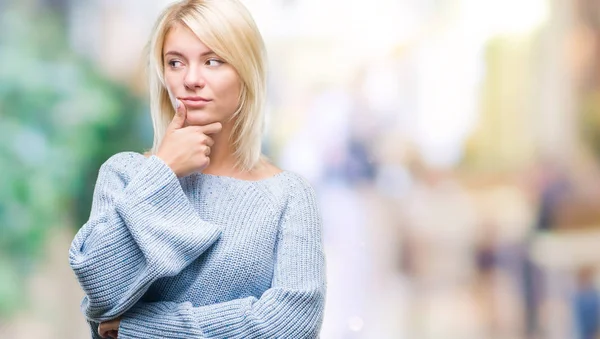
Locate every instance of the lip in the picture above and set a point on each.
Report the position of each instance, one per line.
(194, 102)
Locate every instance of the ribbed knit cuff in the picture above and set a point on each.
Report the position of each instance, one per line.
(94, 330)
(225, 319)
(154, 182)
(163, 320)
(162, 221)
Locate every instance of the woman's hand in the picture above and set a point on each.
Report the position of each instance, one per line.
(109, 329)
(186, 149)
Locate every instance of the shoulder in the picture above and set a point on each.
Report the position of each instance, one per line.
(301, 206)
(299, 190)
(295, 180)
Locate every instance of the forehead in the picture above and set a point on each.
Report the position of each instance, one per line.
(181, 39)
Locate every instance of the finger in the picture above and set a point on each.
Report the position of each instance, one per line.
(179, 117)
(207, 151)
(209, 141)
(102, 330)
(106, 327)
(213, 128)
(194, 129)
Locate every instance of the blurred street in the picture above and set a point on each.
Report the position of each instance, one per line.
(454, 146)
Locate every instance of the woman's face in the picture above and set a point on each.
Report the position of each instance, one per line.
(203, 82)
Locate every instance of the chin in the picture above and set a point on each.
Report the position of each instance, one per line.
(200, 118)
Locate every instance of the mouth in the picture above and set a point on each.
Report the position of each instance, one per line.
(194, 102)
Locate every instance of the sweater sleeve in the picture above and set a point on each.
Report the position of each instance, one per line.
(142, 227)
(292, 308)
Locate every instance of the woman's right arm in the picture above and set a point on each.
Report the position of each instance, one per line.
(142, 227)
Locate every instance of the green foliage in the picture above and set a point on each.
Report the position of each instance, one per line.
(59, 120)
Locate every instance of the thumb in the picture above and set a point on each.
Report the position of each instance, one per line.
(179, 117)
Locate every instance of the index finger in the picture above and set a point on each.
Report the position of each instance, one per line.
(213, 128)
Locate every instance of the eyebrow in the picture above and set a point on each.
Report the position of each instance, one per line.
(175, 53)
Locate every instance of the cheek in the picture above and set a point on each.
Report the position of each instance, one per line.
(171, 81)
(226, 87)
(171, 84)
(234, 91)
(233, 98)
(233, 88)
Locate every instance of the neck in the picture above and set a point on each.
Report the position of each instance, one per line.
(222, 158)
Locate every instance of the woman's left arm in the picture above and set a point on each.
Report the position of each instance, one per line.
(291, 308)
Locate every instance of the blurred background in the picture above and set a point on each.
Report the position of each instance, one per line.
(454, 146)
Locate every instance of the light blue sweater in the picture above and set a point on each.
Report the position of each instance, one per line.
(202, 256)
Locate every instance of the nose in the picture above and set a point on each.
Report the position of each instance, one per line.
(194, 78)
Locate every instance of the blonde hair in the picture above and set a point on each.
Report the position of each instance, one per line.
(227, 28)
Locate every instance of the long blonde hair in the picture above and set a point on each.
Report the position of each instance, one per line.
(227, 28)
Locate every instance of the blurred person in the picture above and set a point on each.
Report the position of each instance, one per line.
(202, 236)
(488, 272)
(553, 188)
(586, 305)
(360, 165)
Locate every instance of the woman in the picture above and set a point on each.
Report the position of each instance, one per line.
(202, 237)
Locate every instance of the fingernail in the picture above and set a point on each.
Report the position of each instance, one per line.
(177, 104)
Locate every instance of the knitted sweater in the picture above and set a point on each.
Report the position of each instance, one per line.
(201, 256)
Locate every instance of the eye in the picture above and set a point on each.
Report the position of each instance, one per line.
(175, 63)
(214, 62)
